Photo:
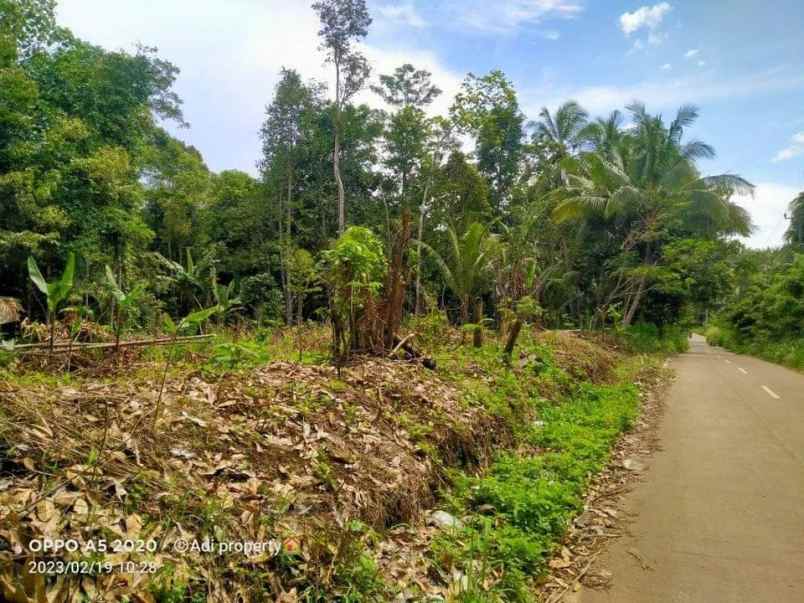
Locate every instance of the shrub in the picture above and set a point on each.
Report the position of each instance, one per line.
(261, 293)
(647, 338)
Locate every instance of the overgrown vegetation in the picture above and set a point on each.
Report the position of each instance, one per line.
(765, 316)
(565, 248)
(518, 510)
(599, 224)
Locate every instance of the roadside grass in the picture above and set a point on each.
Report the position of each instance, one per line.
(643, 338)
(516, 512)
(788, 352)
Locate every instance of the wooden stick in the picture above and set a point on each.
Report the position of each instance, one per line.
(401, 343)
(64, 347)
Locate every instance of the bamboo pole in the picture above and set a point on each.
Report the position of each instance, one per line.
(64, 347)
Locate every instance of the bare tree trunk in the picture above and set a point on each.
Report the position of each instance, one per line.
(286, 252)
(418, 305)
(513, 335)
(632, 308)
(477, 337)
(336, 167)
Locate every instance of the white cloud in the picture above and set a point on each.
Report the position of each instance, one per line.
(666, 67)
(661, 93)
(795, 148)
(402, 13)
(691, 53)
(701, 63)
(767, 208)
(645, 17)
(551, 35)
(506, 16)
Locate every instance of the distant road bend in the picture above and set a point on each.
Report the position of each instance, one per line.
(719, 515)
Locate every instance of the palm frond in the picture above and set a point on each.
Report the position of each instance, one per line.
(736, 184)
(697, 149)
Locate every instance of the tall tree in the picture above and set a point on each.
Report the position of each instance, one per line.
(407, 87)
(410, 90)
(285, 129)
(565, 129)
(795, 232)
(343, 23)
(487, 107)
(604, 134)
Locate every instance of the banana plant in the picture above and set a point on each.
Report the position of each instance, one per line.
(225, 297)
(55, 292)
(124, 305)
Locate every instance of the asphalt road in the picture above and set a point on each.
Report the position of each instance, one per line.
(719, 515)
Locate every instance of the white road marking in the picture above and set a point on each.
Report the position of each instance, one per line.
(771, 393)
(742, 370)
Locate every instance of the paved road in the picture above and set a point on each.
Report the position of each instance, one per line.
(719, 516)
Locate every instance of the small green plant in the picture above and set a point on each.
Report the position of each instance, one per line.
(230, 355)
(192, 320)
(526, 310)
(353, 270)
(55, 292)
(225, 297)
(124, 305)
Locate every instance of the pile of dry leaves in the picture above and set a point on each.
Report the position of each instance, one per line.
(298, 458)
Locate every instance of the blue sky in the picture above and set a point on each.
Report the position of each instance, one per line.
(739, 61)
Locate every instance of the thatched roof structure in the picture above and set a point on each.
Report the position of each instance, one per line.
(10, 310)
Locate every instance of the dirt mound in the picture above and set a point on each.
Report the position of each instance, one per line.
(282, 455)
(581, 358)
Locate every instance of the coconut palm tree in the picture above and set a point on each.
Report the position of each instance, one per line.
(565, 128)
(467, 269)
(604, 135)
(652, 186)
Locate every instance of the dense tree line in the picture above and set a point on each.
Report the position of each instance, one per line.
(591, 222)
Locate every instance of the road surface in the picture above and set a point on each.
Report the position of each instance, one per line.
(719, 514)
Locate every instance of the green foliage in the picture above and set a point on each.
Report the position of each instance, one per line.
(354, 268)
(519, 510)
(262, 295)
(192, 321)
(225, 297)
(56, 292)
(527, 309)
(647, 338)
(125, 304)
(487, 107)
(766, 317)
(795, 232)
(466, 271)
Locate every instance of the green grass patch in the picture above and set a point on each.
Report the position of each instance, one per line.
(646, 338)
(519, 509)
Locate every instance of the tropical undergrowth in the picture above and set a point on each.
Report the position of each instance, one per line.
(766, 319)
(551, 414)
(787, 351)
